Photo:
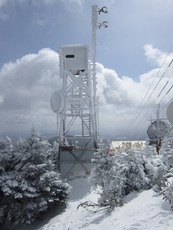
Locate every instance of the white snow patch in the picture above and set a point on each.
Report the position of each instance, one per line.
(142, 210)
(80, 187)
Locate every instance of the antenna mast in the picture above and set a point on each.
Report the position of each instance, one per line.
(95, 26)
(95, 104)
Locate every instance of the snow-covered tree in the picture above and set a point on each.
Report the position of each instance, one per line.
(167, 152)
(30, 185)
(155, 169)
(55, 155)
(118, 175)
(103, 163)
(168, 193)
(6, 154)
(134, 170)
(148, 150)
(104, 175)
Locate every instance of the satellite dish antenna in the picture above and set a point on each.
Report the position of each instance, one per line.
(157, 130)
(169, 112)
(57, 101)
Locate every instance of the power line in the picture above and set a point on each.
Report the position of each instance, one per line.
(138, 114)
(145, 115)
(160, 79)
(166, 93)
(163, 89)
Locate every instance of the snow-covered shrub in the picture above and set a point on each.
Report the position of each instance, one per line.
(30, 184)
(118, 175)
(159, 178)
(103, 161)
(161, 166)
(155, 168)
(6, 154)
(168, 193)
(105, 175)
(167, 152)
(148, 150)
(134, 171)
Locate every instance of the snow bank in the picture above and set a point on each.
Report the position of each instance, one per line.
(145, 210)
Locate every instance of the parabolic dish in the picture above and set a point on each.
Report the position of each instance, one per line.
(169, 112)
(156, 131)
(57, 101)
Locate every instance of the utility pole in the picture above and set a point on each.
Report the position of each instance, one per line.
(158, 144)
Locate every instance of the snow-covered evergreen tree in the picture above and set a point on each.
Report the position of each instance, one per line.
(118, 175)
(103, 163)
(155, 169)
(148, 150)
(6, 154)
(134, 170)
(30, 185)
(168, 193)
(104, 175)
(55, 155)
(167, 152)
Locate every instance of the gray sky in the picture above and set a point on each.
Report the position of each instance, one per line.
(133, 54)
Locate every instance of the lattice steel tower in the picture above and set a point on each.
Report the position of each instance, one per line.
(76, 104)
(76, 120)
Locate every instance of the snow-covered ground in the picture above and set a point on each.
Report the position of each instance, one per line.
(142, 210)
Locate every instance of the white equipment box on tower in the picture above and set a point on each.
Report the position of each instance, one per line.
(73, 58)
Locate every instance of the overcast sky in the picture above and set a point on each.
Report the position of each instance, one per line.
(134, 56)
